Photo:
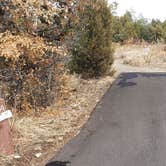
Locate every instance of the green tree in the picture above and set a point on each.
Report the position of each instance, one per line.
(139, 25)
(123, 27)
(164, 31)
(92, 46)
(126, 28)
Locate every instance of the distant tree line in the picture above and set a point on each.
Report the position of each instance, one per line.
(127, 28)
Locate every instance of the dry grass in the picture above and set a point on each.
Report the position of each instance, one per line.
(46, 134)
(142, 55)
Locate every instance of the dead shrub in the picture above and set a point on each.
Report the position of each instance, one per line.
(28, 72)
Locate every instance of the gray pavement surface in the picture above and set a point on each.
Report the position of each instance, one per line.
(127, 128)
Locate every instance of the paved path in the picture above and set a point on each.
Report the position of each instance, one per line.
(128, 127)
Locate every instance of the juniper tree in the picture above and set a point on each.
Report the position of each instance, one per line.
(92, 53)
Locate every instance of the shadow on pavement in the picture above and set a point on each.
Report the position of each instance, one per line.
(126, 79)
(58, 163)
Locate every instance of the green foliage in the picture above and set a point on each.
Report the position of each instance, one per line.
(164, 31)
(91, 48)
(123, 28)
(126, 28)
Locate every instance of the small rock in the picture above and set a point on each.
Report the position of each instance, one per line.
(50, 140)
(17, 157)
(37, 155)
(38, 148)
(60, 138)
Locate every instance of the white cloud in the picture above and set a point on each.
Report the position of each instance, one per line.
(148, 8)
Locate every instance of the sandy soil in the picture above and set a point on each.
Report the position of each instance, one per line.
(140, 58)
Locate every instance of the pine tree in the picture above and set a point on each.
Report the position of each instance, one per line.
(92, 46)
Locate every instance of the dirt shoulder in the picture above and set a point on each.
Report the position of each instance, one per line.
(37, 139)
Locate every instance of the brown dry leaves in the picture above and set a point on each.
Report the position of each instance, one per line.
(12, 46)
(33, 8)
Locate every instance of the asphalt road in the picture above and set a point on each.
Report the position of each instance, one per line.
(127, 128)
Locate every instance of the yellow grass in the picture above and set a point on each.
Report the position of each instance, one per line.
(153, 55)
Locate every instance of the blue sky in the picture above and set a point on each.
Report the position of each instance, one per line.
(148, 8)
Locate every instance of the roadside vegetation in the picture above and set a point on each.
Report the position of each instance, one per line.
(57, 61)
(91, 50)
(129, 29)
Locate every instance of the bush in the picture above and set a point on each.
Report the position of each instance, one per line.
(45, 18)
(92, 45)
(27, 71)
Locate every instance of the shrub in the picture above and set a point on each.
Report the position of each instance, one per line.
(46, 18)
(91, 48)
(27, 71)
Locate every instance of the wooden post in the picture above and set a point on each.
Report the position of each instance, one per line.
(6, 146)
